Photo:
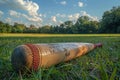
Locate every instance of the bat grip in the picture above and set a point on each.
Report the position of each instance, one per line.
(98, 45)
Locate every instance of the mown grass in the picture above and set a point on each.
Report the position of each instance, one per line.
(51, 35)
(99, 64)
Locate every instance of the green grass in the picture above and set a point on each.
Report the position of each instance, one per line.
(51, 35)
(99, 64)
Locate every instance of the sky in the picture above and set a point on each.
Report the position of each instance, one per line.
(52, 12)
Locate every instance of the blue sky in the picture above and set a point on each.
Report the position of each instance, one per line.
(52, 12)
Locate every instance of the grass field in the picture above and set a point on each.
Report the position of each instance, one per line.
(99, 64)
(52, 35)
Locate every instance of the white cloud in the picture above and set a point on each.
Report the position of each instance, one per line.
(74, 17)
(1, 13)
(14, 13)
(38, 24)
(61, 15)
(29, 6)
(93, 18)
(53, 18)
(42, 15)
(60, 22)
(17, 14)
(9, 20)
(29, 10)
(63, 2)
(35, 19)
(80, 4)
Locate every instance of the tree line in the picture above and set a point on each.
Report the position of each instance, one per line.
(110, 23)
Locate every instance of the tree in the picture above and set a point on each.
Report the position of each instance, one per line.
(110, 22)
(18, 28)
(31, 29)
(68, 24)
(5, 27)
(8, 28)
(85, 25)
(92, 27)
(66, 27)
(44, 29)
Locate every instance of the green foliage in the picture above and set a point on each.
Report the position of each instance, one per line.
(85, 25)
(5, 28)
(31, 29)
(103, 72)
(113, 74)
(110, 22)
(44, 29)
(18, 28)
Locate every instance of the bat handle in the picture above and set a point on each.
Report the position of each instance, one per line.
(98, 45)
